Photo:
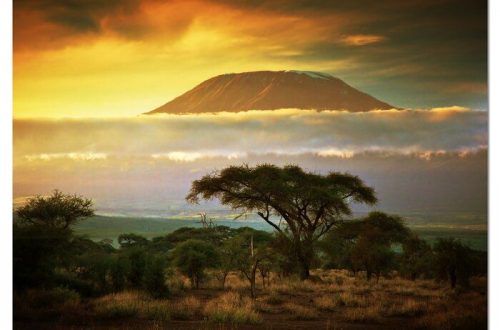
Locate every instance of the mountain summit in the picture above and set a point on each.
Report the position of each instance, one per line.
(271, 90)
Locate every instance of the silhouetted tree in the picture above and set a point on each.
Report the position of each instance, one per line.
(137, 260)
(154, 276)
(416, 258)
(454, 261)
(192, 257)
(251, 250)
(42, 237)
(57, 210)
(367, 243)
(119, 271)
(310, 204)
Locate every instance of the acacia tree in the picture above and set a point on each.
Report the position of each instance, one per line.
(57, 210)
(367, 243)
(42, 236)
(192, 257)
(454, 261)
(309, 204)
(251, 251)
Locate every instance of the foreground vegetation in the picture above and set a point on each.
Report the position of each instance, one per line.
(340, 300)
(314, 270)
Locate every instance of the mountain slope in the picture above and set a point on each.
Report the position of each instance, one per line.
(270, 90)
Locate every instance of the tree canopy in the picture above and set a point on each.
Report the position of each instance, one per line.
(309, 204)
(57, 210)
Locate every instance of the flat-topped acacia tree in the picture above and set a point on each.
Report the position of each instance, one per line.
(309, 203)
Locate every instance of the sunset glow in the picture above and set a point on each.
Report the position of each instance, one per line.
(118, 58)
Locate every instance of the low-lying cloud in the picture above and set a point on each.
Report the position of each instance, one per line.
(191, 137)
(415, 159)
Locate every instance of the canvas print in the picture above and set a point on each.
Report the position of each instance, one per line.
(220, 164)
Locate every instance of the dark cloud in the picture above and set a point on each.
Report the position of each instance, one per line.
(79, 15)
(429, 47)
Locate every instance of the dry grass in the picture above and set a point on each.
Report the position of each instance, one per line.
(350, 299)
(299, 312)
(345, 298)
(372, 313)
(407, 308)
(231, 307)
(465, 311)
(274, 298)
(46, 304)
(327, 303)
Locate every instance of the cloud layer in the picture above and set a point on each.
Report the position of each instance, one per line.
(439, 154)
(288, 131)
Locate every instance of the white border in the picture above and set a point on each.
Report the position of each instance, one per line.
(494, 165)
(6, 81)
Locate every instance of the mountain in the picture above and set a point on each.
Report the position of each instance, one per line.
(270, 90)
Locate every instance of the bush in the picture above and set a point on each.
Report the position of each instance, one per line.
(154, 277)
(192, 257)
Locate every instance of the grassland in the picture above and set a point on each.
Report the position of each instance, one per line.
(336, 300)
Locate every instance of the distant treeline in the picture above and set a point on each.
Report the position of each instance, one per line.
(48, 254)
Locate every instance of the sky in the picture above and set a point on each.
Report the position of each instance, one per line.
(84, 71)
(124, 57)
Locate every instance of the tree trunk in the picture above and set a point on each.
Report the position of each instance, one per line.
(304, 256)
(224, 276)
(413, 276)
(252, 283)
(453, 278)
(304, 270)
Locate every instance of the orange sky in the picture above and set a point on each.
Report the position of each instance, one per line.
(124, 57)
(108, 74)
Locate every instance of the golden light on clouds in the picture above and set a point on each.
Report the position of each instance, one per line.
(141, 60)
(124, 57)
(362, 39)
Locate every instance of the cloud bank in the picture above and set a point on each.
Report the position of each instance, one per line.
(288, 132)
(415, 159)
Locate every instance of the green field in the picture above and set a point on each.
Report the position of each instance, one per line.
(100, 227)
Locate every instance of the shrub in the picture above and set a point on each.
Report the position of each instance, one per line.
(192, 257)
(154, 277)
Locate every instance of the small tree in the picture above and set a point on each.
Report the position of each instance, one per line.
(251, 250)
(310, 204)
(192, 257)
(154, 276)
(228, 258)
(137, 260)
(57, 210)
(454, 261)
(119, 273)
(42, 236)
(416, 258)
(367, 243)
